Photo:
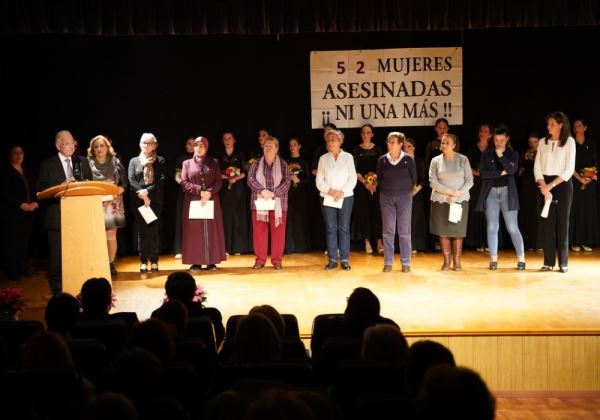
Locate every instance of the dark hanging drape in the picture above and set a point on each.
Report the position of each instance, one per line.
(196, 17)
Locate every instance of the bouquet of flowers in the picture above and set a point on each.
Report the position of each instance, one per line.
(230, 172)
(12, 300)
(590, 172)
(371, 179)
(530, 155)
(295, 168)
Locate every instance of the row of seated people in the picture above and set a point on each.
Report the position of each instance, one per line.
(163, 361)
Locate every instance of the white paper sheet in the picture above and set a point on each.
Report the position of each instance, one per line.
(198, 211)
(148, 214)
(330, 202)
(262, 204)
(455, 213)
(546, 208)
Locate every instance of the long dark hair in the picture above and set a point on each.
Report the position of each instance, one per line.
(565, 130)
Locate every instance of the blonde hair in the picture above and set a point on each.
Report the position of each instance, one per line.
(400, 136)
(107, 142)
(273, 140)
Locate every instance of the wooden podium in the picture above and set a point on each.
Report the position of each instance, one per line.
(83, 237)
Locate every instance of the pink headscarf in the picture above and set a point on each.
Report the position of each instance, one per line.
(204, 141)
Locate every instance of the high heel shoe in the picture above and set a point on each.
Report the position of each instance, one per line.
(368, 248)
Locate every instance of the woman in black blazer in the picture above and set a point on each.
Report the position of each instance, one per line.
(147, 185)
(499, 194)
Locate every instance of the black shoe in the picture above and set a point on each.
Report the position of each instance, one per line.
(331, 265)
(493, 265)
(195, 267)
(211, 267)
(154, 267)
(546, 268)
(521, 265)
(113, 269)
(563, 269)
(345, 265)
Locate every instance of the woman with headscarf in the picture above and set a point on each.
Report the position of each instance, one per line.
(203, 239)
(106, 166)
(147, 185)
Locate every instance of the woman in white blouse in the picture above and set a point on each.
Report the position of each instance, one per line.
(336, 179)
(553, 168)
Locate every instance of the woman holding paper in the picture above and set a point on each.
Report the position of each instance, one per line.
(553, 168)
(497, 169)
(106, 166)
(147, 185)
(450, 178)
(203, 240)
(269, 180)
(397, 178)
(336, 179)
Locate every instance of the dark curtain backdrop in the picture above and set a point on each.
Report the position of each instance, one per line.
(194, 17)
(176, 86)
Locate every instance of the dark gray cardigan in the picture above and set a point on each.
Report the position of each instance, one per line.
(488, 172)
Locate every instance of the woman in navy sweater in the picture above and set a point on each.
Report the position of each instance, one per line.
(497, 169)
(396, 178)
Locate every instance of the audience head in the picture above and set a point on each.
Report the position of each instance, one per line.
(96, 296)
(181, 286)
(419, 358)
(153, 335)
(61, 313)
(256, 340)
(383, 343)
(279, 404)
(362, 305)
(175, 315)
(272, 315)
(456, 393)
(110, 405)
(45, 349)
(137, 374)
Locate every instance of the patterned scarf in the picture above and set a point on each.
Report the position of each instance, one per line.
(148, 168)
(263, 215)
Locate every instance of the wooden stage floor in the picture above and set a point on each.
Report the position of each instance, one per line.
(424, 301)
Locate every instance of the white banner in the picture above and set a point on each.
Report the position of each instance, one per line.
(392, 87)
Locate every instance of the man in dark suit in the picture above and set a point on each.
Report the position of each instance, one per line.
(62, 168)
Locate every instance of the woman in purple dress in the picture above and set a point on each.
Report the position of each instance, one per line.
(203, 239)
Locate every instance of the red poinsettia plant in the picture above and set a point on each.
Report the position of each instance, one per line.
(199, 295)
(12, 300)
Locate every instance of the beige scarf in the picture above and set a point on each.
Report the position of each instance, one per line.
(148, 168)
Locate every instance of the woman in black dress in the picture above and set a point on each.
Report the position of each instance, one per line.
(477, 227)
(583, 227)
(297, 235)
(418, 225)
(17, 210)
(529, 219)
(234, 200)
(366, 215)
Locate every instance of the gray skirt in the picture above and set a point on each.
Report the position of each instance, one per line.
(439, 224)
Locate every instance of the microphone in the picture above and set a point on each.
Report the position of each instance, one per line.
(76, 168)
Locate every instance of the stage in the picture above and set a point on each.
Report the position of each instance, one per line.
(518, 328)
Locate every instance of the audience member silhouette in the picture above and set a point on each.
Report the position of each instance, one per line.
(384, 343)
(454, 393)
(61, 314)
(256, 340)
(46, 350)
(361, 312)
(96, 301)
(421, 356)
(272, 315)
(181, 286)
(153, 335)
(110, 405)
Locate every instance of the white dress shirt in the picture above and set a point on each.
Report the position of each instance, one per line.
(554, 160)
(338, 174)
